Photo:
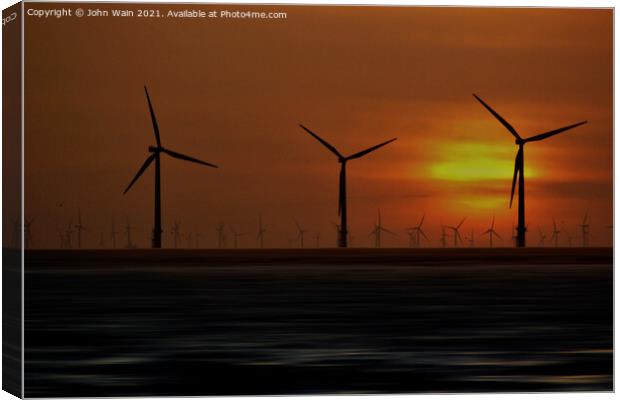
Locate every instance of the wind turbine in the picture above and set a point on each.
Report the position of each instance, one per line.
(28, 233)
(519, 165)
(378, 229)
(342, 196)
(542, 237)
(155, 156)
(418, 232)
(300, 234)
(221, 236)
(176, 232)
(556, 233)
(585, 230)
(113, 234)
(128, 229)
(457, 234)
(236, 236)
(491, 232)
(317, 238)
(68, 234)
(261, 232)
(79, 228)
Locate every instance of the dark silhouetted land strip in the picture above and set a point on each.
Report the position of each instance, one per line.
(119, 323)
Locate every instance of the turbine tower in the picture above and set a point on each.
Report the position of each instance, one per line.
(491, 232)
(555, 235)
(128, 229)
(221, 236)
(28, 233)
(68, 234)
(456, 233)
(519, 165)
(155, 156)
(113, 234)
(444, 237)
(585, 231)
(261, 232)
(378, 229)
(342, 196)
(79, 228)
(176, 232)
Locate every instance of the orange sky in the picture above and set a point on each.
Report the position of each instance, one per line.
(231, 92)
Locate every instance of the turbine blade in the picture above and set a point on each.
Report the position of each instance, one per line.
(370, 149)
(553, 132)
(388, 231)
(187, 158)
(422, 233)
(486, 232)
(496, 234)
(323, 142)
(144, 166)
(153, 119)
(422, 220)
(518, 160)
(499, 118)
(585, 218)
(461, 223)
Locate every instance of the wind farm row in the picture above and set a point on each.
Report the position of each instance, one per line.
(77, 234)
(227, 236)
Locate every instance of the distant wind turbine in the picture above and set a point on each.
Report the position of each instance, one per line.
(79, 228)
(417, 230)
(378, 229)
(342, 196)
(28, 233)
(261, 232)
(542, 237)
(443, 239)
(555, 235)
(236, 236)
(155, 156)
(221, 236)
(491, 232)
(519, 165)
(113, 234)
(456, 233)
(68, 234)
(128, 229)
(300, 234)
(585, 231)
(176, 232)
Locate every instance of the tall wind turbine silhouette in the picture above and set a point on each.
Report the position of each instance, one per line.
(342, 193)
(457, 234)
(491, 232)
(155, 156)
(585, 230)
(519, 165)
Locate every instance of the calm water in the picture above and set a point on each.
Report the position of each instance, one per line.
(317, 329)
